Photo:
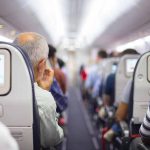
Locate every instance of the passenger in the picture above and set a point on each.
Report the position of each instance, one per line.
(93, 82)
(93, 75)
(109, 90)
(36, 47)
(121, 113)
(122, 110)
(7, 142)
(59, 75)
(83, 73)
(83, 77)
(62, 66)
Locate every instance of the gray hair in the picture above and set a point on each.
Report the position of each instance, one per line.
(34, 45)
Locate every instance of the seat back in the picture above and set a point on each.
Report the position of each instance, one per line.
(106, 67)
(18, 109)
(124, 72)
(109, 66)
(141, 88)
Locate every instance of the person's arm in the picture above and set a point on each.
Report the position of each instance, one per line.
(121, 112)
(145, 128)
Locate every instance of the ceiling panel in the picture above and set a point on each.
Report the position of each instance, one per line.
(131, 22)
(19, 15)
(75, 9)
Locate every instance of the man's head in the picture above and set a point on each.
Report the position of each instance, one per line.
(101, 55)
(36, 47)
(128, 51)
(52, 56)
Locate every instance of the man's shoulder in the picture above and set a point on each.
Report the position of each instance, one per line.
(43, 95)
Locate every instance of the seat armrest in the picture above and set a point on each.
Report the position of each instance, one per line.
(125, 128)
(141, 146)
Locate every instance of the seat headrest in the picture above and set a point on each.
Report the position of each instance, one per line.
(18, 106)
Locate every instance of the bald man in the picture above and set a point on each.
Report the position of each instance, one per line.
(36, 47)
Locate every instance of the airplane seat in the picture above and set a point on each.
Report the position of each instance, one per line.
(130, 106)
(135, 130)
(110, 66)
(141, 92)
(124, 72)
(18, 107)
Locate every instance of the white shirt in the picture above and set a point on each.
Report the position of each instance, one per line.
(7, 142)
(51, 132)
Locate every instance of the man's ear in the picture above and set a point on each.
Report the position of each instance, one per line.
(41, 67)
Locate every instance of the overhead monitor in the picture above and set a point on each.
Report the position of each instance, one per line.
(5, 70)
(130, 65)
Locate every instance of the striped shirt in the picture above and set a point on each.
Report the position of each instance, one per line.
(145, 127)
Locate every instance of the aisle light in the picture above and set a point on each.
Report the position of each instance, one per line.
(50, 14)
(100, 14)
(5, 39)
(1, 26)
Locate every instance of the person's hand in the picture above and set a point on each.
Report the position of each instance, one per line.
(47, 79)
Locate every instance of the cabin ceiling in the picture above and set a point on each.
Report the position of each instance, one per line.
(67, 27)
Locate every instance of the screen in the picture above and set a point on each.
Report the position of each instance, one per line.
(130, 65)
(114, 67)
(1, 69)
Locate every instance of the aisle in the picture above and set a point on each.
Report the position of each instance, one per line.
(79, 137)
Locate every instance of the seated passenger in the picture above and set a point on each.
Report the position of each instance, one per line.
(110, 87)
(62, 66)
(36, 47)
(83, 77)
(59, 75)
(122, 110)
(7, 142)
(121, 113)
(93, 81)
(109, 90)
(93, 75)
(60, 98)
